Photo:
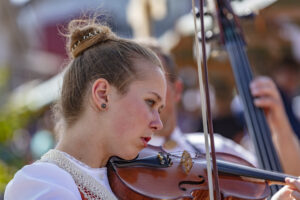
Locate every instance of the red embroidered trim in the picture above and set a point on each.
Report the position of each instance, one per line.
(82, 196)
(90, 194)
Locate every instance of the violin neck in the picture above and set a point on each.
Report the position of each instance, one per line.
(251, 172)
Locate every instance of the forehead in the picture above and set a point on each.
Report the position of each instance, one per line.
(145, 63)
(150, 79)
(146, 69)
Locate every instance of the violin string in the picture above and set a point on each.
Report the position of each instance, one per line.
(203, 105)
(244, 84)
(260, 135)
(259, 129)
(245, 88)
(272, 158)
(270, 161)
(259, 122)
(235, 58)
(243, 81)
(259, 145)
(259, 115)
(252, 128)
(265, 131)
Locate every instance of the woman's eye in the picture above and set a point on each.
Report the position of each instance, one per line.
(150, 102)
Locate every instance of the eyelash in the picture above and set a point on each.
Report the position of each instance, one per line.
(150, 102)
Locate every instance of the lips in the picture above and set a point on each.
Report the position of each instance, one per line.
(146, 140)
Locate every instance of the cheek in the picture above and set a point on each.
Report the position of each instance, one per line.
(165, 114)
(169, 108)
(168, 116)
(133, 117)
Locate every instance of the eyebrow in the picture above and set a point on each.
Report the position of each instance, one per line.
(157, 95)
(158, 98)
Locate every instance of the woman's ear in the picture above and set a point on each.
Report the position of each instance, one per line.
(100, 91)
(178, 88)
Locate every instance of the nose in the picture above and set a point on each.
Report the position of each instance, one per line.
(156, 124)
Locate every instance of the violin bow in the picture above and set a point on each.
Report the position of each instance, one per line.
(206, 111)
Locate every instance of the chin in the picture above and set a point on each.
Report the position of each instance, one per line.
(130, 156)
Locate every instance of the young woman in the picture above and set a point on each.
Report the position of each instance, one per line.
(112, 93)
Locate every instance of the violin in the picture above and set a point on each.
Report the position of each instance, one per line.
(156, 174)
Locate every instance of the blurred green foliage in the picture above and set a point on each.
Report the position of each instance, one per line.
(11, 119)
(4, 82)
(4, 76)
(6, 174)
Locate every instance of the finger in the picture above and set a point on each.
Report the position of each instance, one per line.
(265, 91)
(266, 102)
(263, 80)
(283, 193)
(293, 182)
(295, 195)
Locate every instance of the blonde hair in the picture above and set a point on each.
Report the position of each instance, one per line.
(96, 52)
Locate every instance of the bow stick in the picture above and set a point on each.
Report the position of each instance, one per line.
(206, 111)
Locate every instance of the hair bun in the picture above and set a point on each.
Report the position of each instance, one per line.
(85, 34)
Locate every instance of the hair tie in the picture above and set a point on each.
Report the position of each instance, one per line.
(85, 37)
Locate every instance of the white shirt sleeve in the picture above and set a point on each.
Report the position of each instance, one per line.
(42, 181)
(229, 146)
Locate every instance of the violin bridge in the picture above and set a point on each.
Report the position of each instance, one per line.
(186, 162)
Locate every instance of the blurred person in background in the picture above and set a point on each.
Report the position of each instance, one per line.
(113, 90)
(171, 137)
(225, 122)
(266, 96)
(286, 75)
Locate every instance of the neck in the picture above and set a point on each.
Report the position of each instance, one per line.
(83, 141)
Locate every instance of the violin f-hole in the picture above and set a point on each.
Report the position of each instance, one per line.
(202, 180)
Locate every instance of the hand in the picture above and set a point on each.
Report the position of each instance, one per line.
(289, 192)
(267, 96)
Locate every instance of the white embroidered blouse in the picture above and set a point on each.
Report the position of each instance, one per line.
(58, 176)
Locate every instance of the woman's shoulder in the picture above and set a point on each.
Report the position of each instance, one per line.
(42, 180)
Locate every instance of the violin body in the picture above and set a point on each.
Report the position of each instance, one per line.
(172, 182)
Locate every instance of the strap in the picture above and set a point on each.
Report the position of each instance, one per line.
(89, 187)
